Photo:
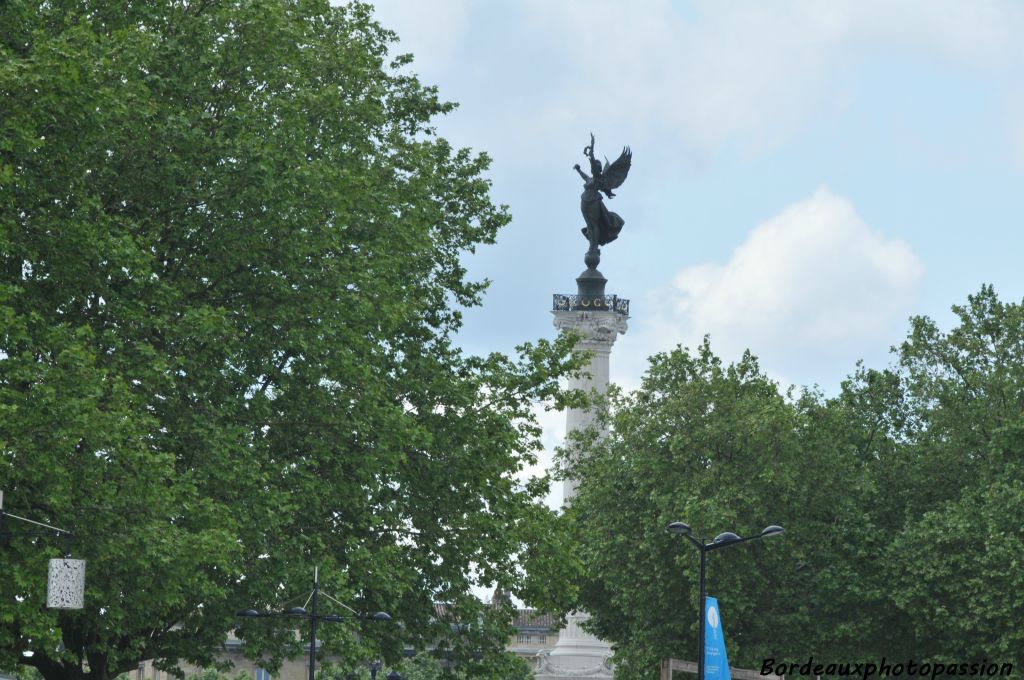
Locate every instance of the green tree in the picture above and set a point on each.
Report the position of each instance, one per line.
(229, 278)
(426, 666)
(955, 566)
(720, 448)
(901, 497)
(421, 667)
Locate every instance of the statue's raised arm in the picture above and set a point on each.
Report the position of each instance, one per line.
(603, 226)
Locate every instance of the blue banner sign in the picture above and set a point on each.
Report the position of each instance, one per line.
(716, 663)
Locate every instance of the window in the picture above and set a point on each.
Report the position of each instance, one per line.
(261, 674)
(525, 638)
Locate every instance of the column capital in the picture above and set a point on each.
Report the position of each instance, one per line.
(598, 330)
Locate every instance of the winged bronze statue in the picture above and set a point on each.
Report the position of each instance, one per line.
(603, 226)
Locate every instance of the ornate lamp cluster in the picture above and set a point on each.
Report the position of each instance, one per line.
(314, 617)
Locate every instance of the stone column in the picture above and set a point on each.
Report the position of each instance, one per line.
(578, 653)
(598, 331)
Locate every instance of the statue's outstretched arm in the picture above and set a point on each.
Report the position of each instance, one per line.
(585, 176)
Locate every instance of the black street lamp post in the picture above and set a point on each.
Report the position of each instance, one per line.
(722, 540)
(314, 617)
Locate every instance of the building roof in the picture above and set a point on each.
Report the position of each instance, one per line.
(531, 618)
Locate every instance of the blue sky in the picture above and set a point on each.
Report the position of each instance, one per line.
(806, 175)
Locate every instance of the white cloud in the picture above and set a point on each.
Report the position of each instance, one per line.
(432, 31)
(754, 73)
(812, 289)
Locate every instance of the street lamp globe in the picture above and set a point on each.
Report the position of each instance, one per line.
(725, 538)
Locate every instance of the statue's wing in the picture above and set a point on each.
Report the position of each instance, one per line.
(615, 174)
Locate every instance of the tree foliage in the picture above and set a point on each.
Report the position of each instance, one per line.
(229, 278)
(427, 666)
(901, 498)
(955, 564)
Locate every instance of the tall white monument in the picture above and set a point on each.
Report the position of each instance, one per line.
(598, 319)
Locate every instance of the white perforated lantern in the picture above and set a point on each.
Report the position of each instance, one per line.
(65, 587)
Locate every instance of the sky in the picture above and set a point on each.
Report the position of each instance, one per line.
(806, 175)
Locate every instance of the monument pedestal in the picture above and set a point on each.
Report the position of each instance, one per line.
(578, 654)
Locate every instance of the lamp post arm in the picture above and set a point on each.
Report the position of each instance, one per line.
(32, 521)
(699, 545)
(342, 604)
(726, 544)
